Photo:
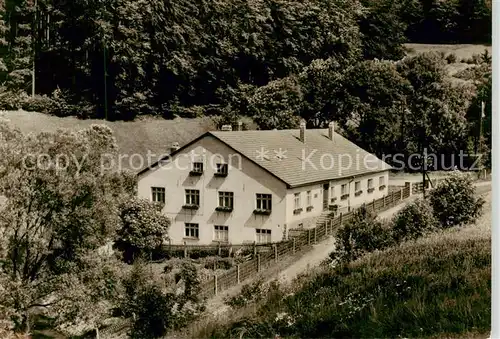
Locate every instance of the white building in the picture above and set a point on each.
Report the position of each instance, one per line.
(246, 186)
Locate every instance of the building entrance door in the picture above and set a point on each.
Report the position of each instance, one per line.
(326, 188)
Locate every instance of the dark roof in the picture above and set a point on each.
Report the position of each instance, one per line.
(315, 160)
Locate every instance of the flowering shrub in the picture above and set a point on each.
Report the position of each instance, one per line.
(143, 229)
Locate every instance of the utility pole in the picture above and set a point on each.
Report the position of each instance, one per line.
(480, 139)
(424, 167)
(423, 143)
(480, 149)
(105, 81)
(34, 52)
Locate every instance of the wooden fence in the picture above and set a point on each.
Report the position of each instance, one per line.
(299, 240)
(220, 249)
(302, 240)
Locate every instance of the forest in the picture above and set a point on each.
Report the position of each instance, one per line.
(275, 61)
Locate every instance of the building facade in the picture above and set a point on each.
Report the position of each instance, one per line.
(223, 187)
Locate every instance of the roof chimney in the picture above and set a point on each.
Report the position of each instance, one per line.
(331, 130)
(240, 126)
(226, 128)
(303, 131)
(175, 147)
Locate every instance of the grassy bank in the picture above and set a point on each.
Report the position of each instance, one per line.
(155, 135)
(438, 286)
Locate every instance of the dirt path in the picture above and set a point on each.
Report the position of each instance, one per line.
(321, 251)
(312, 259)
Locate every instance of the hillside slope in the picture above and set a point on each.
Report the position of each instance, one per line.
(137, 137)
(436, 287)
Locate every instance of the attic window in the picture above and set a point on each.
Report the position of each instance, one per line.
(221, 170)
(197, 168)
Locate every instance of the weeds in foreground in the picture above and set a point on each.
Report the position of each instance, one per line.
(421, 288)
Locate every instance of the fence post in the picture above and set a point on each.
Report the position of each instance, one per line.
(309, 236)
(215, 284)
(409, 186)
(258, 262)
(275, 252)
(185, 250)
(254, 248)
(401, 194)
(218, 249)
(238, 273)
(373, 205)
(315, 231)
(384, 200)
(293, 246)
(340, 223)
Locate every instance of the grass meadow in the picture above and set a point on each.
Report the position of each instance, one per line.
(438, 286)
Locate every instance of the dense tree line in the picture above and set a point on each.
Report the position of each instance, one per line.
(120, 58)
(451, 21)
(155, 57)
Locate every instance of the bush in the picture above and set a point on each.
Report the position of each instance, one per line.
(67, 105)
(38, 103)
(133, 105)
(451, 58)
(143, 229)
(191, 280)
(454, 202)
(249, 292)
(154, 308)
(58, 104)
(414, 221)
(10, 101)
(219, 263)
(362, 234)
(184, 112)
(154, 313)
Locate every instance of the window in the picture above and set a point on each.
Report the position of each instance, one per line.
(263, 236)
(158, 194)
(370, 186)
(344, 192)
(221, 233)
(332, 194)
(297, 202)
(193, 197)
(381, 183)
(264, 202)
(221, 170)
(226, 200)
(192, 230)
(357, 188)
(309, 198)
(197, 168)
